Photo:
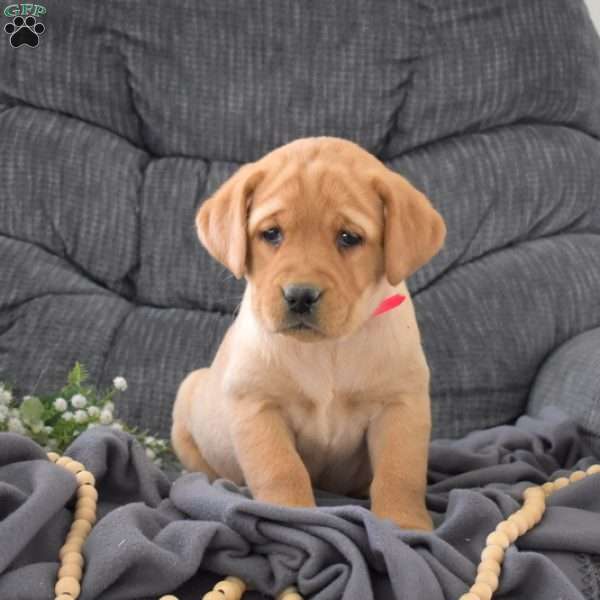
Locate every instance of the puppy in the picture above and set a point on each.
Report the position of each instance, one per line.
(307, 387)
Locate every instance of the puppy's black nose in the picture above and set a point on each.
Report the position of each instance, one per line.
(301, 298)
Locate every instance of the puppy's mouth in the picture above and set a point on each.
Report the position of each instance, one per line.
(301, 326)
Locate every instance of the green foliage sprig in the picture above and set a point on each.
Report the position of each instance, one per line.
(55, 420)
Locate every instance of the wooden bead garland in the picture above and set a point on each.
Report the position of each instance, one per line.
(290, 593)
(230, 588)
(68, 585)
(233, 588)
(528, 516)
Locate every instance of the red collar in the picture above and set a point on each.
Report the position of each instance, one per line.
(389, 303)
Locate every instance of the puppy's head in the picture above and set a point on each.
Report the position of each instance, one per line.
(314, 226)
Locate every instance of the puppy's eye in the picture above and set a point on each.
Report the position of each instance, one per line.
(346, 239)
(273, 236)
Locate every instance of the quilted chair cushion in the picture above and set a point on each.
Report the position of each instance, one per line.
(127, 115)
(570, 379)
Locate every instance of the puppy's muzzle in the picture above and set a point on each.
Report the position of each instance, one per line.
(301, 299)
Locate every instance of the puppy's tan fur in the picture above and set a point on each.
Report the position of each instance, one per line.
(343, 406)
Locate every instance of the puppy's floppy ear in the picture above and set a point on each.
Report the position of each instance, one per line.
(221, 220)
(414, 231)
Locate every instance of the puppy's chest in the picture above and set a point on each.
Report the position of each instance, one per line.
(330, 404)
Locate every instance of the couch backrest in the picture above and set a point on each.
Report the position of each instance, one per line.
(127, 115)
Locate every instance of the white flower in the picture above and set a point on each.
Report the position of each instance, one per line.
(150, 454)
(93, 411)
(28, 397)
(78, 401)
(3, 413)
(16, 426)
(117, 426)
(81, 416)
(120, 383)
(67, 415)
(106, 417)
(149, 440)
(5, 396)
(92, 425)
(109, 406)
(60, 404)
(48, 430)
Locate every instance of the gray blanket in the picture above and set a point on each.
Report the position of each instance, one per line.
(154, 537)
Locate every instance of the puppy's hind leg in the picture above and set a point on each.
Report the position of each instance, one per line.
(181, 439)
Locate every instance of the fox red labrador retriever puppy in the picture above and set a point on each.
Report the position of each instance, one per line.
(308, 387)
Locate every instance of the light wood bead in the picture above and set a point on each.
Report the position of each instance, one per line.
(73, 557)
(510, 529)
(495, 553)
(539, 500)
(81, 526)
(67, 585)
(237, 581)
(63, 461)
(489, 565)
(519, 519)
(69, 547)
(70, 570)
(548, 488)
(75, 467)
(536, 505)
(483, 590)
(534, 492)
(287, 592)
(52, 456)
(292, 596)
(560, 483)
(488, 577)
(593, 470)
(533, 514)
(168, 598)
(86, 503)
(87, 491)
(64, 597)
(85, 477)
(230, 590)
(87, 514)
(535, 501)
(212, 595)
(75, 537)
(577, 476)
(497, 538)
(469, 596)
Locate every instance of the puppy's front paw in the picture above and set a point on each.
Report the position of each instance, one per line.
(290, 497)
(414, 517)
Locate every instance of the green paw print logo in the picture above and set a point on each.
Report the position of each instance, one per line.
(25, 29)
